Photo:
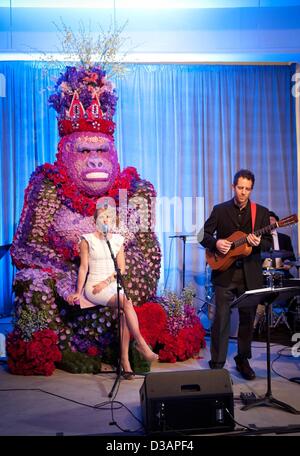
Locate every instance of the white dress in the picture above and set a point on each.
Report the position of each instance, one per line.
(101, 266)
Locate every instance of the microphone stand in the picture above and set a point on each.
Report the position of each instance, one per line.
(120, 284)
(183, 238)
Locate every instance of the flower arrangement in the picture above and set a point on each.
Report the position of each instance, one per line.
(45, 248)
(87, 82)
(48, 332)
(56, 212)
(89, 334)
(32, 347)
(70, 195)
(36, 356)
(152, 321)
(184, 334)
(107, 47)
(141, 276)
(172, 326)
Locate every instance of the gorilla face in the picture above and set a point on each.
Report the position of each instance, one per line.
(91, 161)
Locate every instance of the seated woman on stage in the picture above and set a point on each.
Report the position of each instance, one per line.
(96, 283)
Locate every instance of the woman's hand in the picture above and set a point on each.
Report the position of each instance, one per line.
(73, 298)
(99, 287)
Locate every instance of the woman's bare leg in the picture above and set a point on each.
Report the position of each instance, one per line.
(125, 340)
(133, 326)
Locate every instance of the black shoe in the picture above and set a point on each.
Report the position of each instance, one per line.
(128, 375)
(243, 367)
(214, 365)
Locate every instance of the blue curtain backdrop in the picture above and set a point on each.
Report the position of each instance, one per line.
(187, 129)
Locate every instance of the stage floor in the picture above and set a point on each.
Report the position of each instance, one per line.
(28, 410)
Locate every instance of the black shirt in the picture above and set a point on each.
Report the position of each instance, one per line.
(242, 217)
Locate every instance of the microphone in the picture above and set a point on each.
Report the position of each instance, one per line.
(104, 230)
(102, 227)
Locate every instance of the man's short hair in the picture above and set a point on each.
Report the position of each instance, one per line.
(272, 214)
(246, 174)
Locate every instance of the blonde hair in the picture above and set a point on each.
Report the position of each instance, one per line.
(111, 211)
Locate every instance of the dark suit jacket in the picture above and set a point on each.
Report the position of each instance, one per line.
(285, 243)
(220, 225)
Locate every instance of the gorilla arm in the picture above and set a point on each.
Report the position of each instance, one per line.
(31, 248)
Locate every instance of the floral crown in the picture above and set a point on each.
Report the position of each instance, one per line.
(84, 100)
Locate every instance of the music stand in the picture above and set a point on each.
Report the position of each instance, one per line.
(267, 296)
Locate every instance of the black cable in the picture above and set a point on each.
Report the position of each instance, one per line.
(48, 392)
(279, 354)
(112, 404)
(113, 422)
(236, 422)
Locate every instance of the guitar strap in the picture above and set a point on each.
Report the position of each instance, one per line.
(253, 214)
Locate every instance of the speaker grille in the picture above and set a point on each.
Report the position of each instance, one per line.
(191, 401)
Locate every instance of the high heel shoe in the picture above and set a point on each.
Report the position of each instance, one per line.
(150, 356)
(128, 375)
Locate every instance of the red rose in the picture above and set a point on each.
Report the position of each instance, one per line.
(34, 349)
(152, 320)
(35, 357)
(93, 351)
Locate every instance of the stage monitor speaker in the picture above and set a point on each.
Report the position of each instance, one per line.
(187, 401)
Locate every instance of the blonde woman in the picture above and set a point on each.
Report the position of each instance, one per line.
(97, 283)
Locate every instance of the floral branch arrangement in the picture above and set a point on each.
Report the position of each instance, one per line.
(104, 47)
(183, 336)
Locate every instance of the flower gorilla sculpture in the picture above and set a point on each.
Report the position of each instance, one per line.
(59, 204)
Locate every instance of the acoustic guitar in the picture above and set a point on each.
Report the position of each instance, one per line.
(239, 247)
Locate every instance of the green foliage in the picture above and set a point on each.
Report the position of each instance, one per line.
(138, 363)
(20, 287)
(110, 353)
(79, 363)
(31, 321)
(174, 303)
(188, 294)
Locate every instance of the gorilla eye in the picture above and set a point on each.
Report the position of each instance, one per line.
(102, 149)
(84, 151)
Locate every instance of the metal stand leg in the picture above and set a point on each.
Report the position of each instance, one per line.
(269, 400)
(282, 318)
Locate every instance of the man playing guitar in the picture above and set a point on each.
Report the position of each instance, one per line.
(243, 271)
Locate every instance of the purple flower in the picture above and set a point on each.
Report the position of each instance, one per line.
(80, 79)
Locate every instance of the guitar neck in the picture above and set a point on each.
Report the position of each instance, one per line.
(266, 229)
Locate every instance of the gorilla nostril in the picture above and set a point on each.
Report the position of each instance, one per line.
(94, 163)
